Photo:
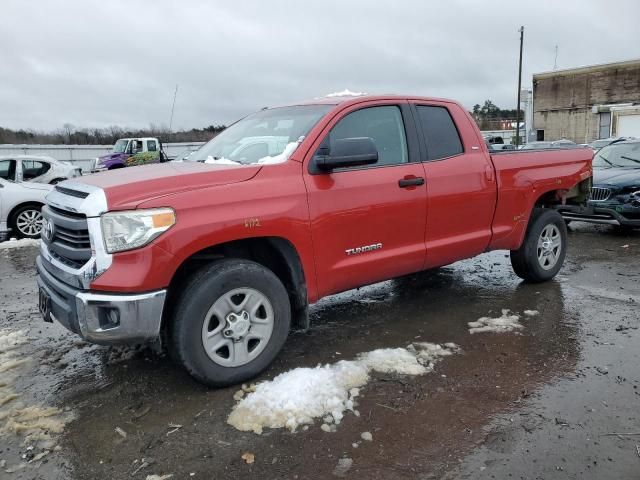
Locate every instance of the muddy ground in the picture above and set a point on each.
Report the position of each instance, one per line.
(543, 404)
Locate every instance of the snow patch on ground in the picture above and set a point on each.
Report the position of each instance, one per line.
(24, 242)
(299, 396)
(345, 93)
(508, 322)
(36, 425)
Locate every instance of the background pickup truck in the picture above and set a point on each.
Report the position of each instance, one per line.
(219, 256)
(131, 151)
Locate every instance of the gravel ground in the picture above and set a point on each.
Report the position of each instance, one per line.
(558, 398)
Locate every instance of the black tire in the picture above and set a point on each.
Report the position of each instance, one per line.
(525, 261)
(199, 294)
(15, 218)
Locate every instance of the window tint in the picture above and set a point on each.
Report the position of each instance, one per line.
(440, 132)
(8, 170)
(151, 145)
(32, 169)
(383, 125)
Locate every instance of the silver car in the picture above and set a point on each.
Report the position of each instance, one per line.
(38, 169)
(20, 205)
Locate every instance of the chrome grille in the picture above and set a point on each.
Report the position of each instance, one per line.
(599, 194)
(70, 241)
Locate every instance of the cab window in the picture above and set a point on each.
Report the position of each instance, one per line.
(440, 132)
(151, 146)
(383, 125)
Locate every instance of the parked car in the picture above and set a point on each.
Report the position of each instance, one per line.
(40, 169)
(555, 144)
(497, 147)
(131, 151)
(222, 254)
(20, 205)
(615, 195)
(603, 142)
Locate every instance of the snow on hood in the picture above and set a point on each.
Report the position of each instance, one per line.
(299, 396)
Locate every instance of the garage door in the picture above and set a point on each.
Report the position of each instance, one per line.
(629, 126)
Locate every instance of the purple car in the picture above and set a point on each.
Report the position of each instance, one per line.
(131, 151)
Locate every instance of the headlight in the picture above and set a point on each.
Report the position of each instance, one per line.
(135, 228)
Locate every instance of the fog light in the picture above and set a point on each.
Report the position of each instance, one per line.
(108, 317)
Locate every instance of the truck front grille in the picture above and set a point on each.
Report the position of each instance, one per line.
(68, 240)
(599, 194)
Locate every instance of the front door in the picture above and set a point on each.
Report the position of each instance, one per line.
(368, 222)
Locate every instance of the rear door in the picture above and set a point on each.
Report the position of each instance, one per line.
(368, 222)
(461, 184)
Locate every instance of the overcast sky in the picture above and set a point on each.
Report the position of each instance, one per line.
(99, 63)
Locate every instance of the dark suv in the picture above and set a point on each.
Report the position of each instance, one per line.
(615, 194)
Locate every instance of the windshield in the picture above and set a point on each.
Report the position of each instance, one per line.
(268, 136)
(121, 145)
(618, 155)
(600, 143)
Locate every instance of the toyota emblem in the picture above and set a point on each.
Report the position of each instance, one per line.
(47, 230)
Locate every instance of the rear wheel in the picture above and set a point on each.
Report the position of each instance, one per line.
(26, 221)
(544, 248)
(230, 322)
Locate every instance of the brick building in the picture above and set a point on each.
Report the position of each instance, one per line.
(586, 103)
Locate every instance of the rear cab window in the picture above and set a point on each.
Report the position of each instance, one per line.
(440, 133)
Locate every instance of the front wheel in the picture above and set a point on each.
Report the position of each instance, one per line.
(230, 322)
(544, 248)
(26, 221)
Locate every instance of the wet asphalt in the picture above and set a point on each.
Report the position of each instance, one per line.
(561, 400)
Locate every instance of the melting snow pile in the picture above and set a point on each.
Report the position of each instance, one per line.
(268, 160)
(24, 242)
(299, 396)
(508, 322)
(35, 424)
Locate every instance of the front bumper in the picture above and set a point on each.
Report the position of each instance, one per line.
(4, 231)
(101, 317)
(598, 214)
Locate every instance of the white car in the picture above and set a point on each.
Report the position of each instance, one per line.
(20, 205)
(39, 169)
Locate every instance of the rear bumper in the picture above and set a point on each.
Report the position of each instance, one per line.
(593, 214)
(101, 317)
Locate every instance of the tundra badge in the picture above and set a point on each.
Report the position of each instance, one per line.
(366, 248)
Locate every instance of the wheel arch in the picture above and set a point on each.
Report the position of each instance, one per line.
(275, 253)
(14, 210)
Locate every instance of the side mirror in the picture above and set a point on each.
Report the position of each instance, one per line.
(348, 152)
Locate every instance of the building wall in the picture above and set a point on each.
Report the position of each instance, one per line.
(563, 100)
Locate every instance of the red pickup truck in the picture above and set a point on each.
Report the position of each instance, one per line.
(219, 257)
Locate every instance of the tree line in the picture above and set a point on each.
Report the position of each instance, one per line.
(489, 116)
(71, 135)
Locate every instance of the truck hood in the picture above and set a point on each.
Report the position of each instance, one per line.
(621, 177)
(125, 188)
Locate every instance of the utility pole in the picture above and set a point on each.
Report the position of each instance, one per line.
(555, 60)
(172, 107)
(519, 88)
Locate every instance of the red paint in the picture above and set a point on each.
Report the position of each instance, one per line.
(470, 203)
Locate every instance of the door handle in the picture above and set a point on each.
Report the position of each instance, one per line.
(410, 182)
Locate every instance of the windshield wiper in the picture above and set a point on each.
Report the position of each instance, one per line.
(600, 156)
(629, 158)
